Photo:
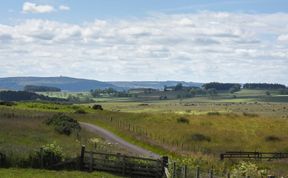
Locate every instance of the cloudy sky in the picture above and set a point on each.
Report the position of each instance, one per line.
(110, 40)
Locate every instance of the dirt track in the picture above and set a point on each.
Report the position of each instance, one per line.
(115, 139)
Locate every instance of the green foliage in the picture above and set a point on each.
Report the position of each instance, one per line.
(34, 88)
(179, 87)
(40, 173)
(97, 107)
(183, 120)
(80, 111)
(49, 153)
(250, 114)
(63, 124)
(212, 92)
(7, 103)
(213, 113)
(283, 92)
(222, 86)
(264, 86)
(25, 96)
(247, 169)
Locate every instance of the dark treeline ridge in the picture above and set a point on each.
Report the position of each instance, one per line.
(221, 86)
(263, 86)
(25, 96)
(109, 92)
(35, 88)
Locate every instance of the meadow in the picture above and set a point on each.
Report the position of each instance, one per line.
(28, 173)
(192, 131)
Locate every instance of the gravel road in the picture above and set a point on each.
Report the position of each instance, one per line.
(109, 136)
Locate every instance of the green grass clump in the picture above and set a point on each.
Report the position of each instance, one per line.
(200, 137)
(183, 120)
(272, 138)
(214, 113)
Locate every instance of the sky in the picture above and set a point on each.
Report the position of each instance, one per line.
(127, 40)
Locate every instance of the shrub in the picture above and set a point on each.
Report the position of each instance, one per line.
(183, 120)
(249, 114)
(63, 124)
(215, 113)
(7, 103)
(272, 138)
(97, 107)
(80, 111)
(200, 137)
(247, 169)
(50, 153)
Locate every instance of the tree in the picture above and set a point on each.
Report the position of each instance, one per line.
(179, 87)
(212, 92)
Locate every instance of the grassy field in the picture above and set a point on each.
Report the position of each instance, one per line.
(192, 131)
(24, 131)
(34, 173)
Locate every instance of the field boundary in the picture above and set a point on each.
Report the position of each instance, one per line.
(253, 155)
(123, 164)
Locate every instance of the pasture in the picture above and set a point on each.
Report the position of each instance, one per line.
(193, 131)
(28, 173)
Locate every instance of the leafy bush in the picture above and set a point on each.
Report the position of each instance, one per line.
(49, 154)
(183, 120)
(80, 111)
(7, 103)
(63, 124)
(97, 107)
(247, 169)
(200, 137)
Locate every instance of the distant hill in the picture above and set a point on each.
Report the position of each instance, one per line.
(153, 84)
(78, 85)
(64, 83)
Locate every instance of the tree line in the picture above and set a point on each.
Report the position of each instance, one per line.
(25, 96)
(109, 92)
(34, 88)
(222, 86)
(266, 86)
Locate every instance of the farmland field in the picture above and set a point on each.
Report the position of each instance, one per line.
(28, 173)
(193, 130)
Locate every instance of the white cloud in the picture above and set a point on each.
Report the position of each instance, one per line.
(206, 46)
(64, 8)
(29, 7)
(283, 38)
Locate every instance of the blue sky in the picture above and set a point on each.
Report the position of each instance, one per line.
(89, 10)
(207, 40)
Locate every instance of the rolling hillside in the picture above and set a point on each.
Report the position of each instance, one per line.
(78, 85)
(64, 83)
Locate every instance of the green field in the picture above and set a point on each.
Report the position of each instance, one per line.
(34, 173)
(192, 131)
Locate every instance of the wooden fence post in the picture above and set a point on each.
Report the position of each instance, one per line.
(198, 172)
(185, 171)
(91, 162)
(41, 158)
(270, 176)
(228, 175)
(123, 162)
(211, 173)
(174, 170)
(81, 161)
